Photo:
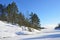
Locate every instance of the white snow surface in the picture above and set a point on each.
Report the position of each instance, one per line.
(14, 32)
(9, 30)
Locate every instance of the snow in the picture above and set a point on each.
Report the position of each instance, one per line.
(14, 32)
(43, 36)
(9, 30)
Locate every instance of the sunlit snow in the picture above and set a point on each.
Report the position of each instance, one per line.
(14, 32)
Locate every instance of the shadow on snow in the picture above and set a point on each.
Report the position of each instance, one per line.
(47, 36)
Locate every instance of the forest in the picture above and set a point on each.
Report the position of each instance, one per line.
(11, 14)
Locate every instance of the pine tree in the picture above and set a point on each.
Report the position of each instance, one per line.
(2, 13)
(35, 22)
(9, 14)
(12, 12)
(21, 19)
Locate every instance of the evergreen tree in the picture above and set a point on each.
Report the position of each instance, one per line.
(21, 19)
(31, 16)
(2, 13)
(9, 14)
(27, 23)
(14, 12)
(35, 20)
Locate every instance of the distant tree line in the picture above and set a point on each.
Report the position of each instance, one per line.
(11, 14)
(58, 27)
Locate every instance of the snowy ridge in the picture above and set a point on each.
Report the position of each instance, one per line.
(7, 29)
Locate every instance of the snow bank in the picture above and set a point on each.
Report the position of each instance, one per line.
(6, 34)
(7, 29)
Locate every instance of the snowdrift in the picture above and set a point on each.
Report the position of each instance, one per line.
(9, 30)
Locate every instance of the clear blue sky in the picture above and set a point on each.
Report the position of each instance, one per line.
(47, 10)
